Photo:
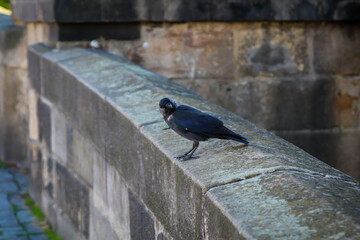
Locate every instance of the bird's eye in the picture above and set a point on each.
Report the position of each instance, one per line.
(169, 105)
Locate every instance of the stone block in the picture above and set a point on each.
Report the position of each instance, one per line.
(44, 116)
(91, 31)
(77, 11)
(306, 214)
(13, 46)
(25, 10)
(37, 33)
(284, 103)
(141, 223)
(336, 49)
(15, 110)
(126, 10)
(189, 50)
(2, 112)
(182, 11)
(118, 203)
(8, 187)
(21, 180)
(84, 155)
(347, 104)
(48, 173)
(49, 208)
(72, 196)
(170, 194)
(66, 229)
(59, 135)
(25, 216)
(272, 49)
(36, 164)
(100, 181)
(346, 10)
(33, 116)
(339, 149)
(110, 201)
(13, 233)
(152, 11)
(33, 55)
(100, 227)
(70, 144)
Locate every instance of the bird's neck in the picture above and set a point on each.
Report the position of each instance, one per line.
(168, 113)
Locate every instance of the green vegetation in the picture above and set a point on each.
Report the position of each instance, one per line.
(5, 4)
(2, 164)
(52, 235)
(36, 211)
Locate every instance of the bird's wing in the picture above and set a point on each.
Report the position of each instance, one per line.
(190, 119)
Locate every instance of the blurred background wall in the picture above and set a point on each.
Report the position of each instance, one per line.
(292, 67)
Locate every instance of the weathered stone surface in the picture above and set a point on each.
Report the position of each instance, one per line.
(90, 31)
(26, 10)
(15, 115)
(192, 50)
(140, 153)
(2, 115)
(339, 149)
(84, 156)
(100, 227)
(33, 116)
(110, 200)
(347, 102)
(44, 116)
(48, 175)
(13, 46)
(118, 203)
(49, 208)
(285, 103)
(35, 164)
(276, 49)
(335, 50)
(66, 229)
(72, 196)
(141, 223)
(59, 135)
(34, 53)
(306, 213)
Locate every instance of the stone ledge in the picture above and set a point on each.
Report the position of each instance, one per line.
(63, 11)
(114, 104)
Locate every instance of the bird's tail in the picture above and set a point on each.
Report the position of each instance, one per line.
(228, 134)
(238, 138)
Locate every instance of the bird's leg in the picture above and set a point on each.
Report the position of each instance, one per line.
(189, 153)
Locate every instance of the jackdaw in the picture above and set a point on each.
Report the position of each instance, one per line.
(194, 125)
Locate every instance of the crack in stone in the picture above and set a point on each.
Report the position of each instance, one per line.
(149, 123)
(282, 169)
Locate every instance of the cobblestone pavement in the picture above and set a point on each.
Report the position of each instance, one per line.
(16, 220)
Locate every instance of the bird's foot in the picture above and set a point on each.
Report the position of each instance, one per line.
(186, 157)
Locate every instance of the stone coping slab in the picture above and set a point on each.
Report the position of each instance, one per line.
(231, 191)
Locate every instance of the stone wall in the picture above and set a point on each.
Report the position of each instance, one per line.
(291, 68)
(13, 92)
(102, 165)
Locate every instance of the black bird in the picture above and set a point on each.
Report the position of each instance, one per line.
(194, 125)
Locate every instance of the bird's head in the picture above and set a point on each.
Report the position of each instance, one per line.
(167, 107)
